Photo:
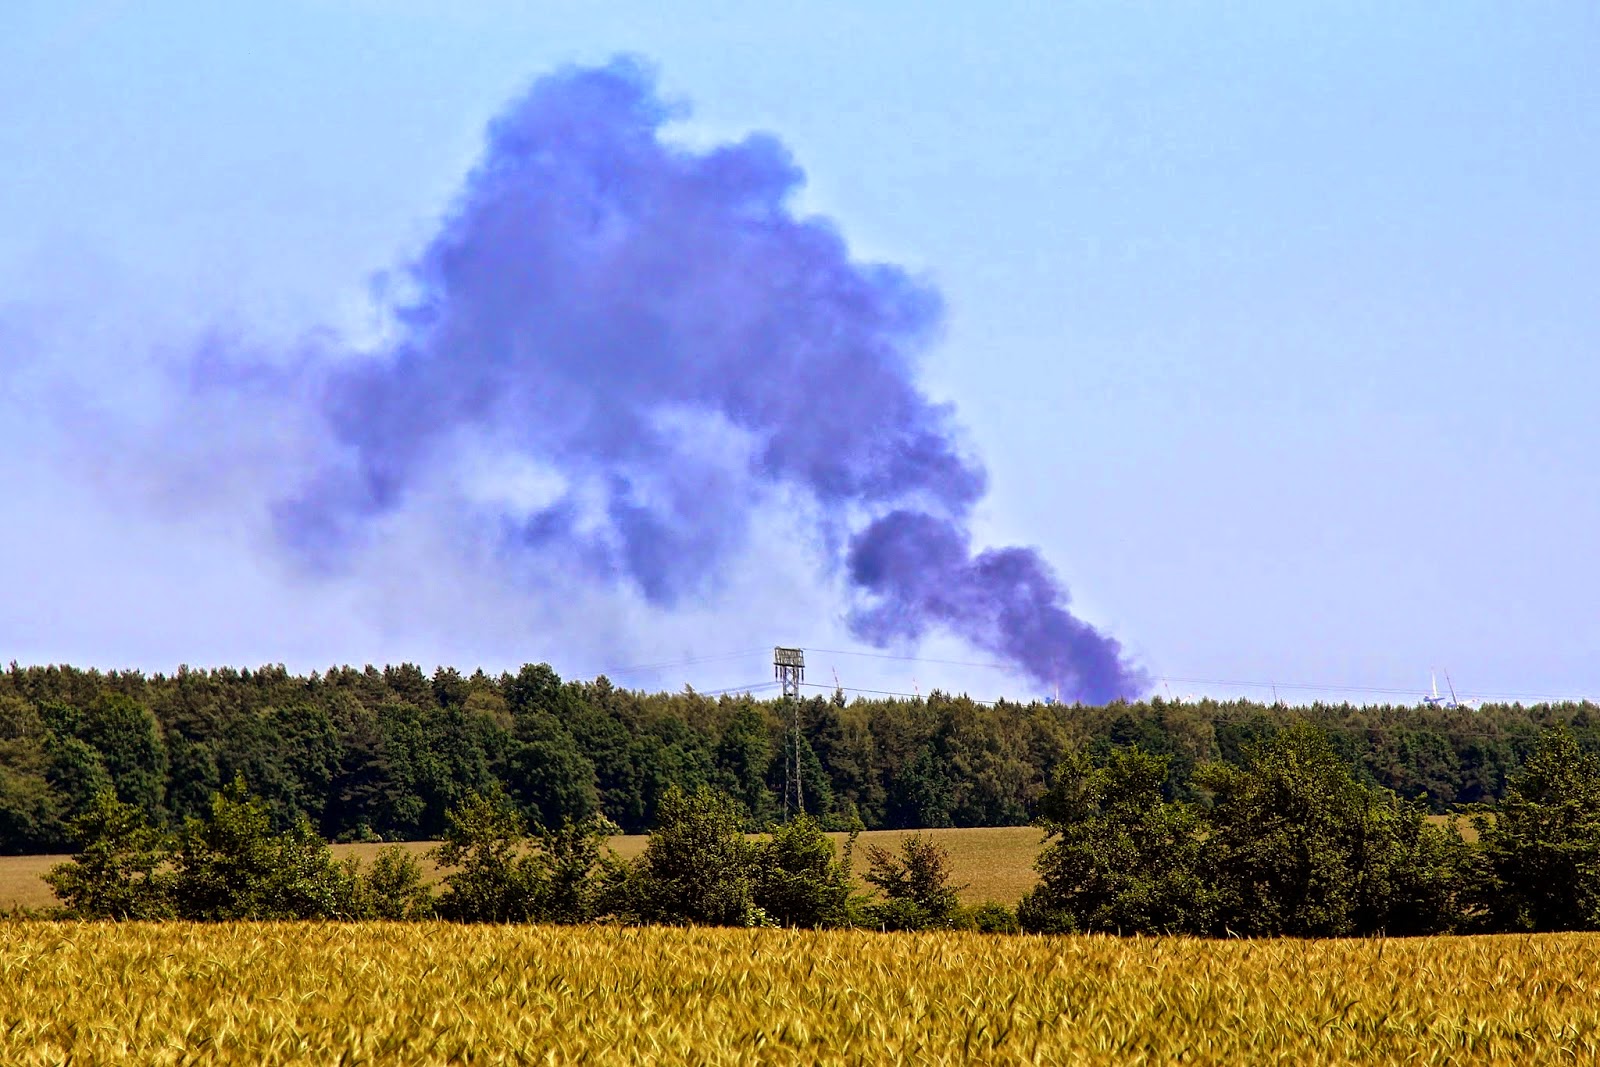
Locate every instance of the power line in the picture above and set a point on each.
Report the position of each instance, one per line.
(690, 662)
(1242, 683)
(913, 659)
(1328, 687)
(737, 689)
(892, 693)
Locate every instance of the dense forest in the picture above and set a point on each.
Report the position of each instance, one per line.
(1287, 842)
(386, 753)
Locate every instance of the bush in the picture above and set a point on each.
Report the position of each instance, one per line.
(800, 880)
(697, 867)
(990, 917)
(122, 871)
(915, 885)
(577, 857)
(392, 887)
(496, 877)
(232, 865)
(1036, 915)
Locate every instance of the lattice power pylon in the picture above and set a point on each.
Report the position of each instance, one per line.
(789, 667)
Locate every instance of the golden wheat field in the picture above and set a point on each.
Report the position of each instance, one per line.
(432, 993)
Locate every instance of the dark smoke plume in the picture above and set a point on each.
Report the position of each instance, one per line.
(656, 329)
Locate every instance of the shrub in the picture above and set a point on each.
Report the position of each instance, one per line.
(392, 887)
(697, 867)
(800, 880)
(496, 877)
(576, 853)
(990, 917)
(121, 871)
(915, 885)
(232, 865)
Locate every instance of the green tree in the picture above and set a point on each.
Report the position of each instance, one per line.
(800, 878)
(538, 689)
(744, 758)
(30, 814)
(128, 739)
(1415, 876)
(550, 777)
(392, 887)
(1296, 845)
(74, 772)
(232, 864)
(1539, 858)
(30, 811)
(577, 856)
(496, 876)
(121, 870)
(1118, 857)
(697, 866)
(917, 894)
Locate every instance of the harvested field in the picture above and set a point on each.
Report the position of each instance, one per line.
(434, 993)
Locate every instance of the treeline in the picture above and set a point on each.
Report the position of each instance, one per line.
(1290, 842)
(385, 754)
(699, 868)
(1287, 842)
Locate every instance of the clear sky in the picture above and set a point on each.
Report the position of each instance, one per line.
(1274, 328)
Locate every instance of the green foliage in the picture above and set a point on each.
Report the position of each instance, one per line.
(75, 773)
(30, 810)
(128, 740)
(551, 778)
(30, 813)
(1250, 827)
(1118, 855)
(391, 887)
(576, 853)
(382, 754)
(1286, 835)
(288, 755)
(232, 864)
(696, 868)
(990, 917)
(1539, 858)
(745, 757)
(1291, 843)
(800, 878)
(497, 877)
(122, 868)
(915, 883)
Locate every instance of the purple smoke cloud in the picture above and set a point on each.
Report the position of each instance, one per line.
(922, 572)
(656, 328)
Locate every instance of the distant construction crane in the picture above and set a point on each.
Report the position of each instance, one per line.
(789, 667)
(1436, 700)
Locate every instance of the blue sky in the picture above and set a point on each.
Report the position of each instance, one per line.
(1275, 329)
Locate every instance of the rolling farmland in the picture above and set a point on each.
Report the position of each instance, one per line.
(285, 993)
(993, 863)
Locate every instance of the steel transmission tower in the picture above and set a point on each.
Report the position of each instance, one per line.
(789, 667)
